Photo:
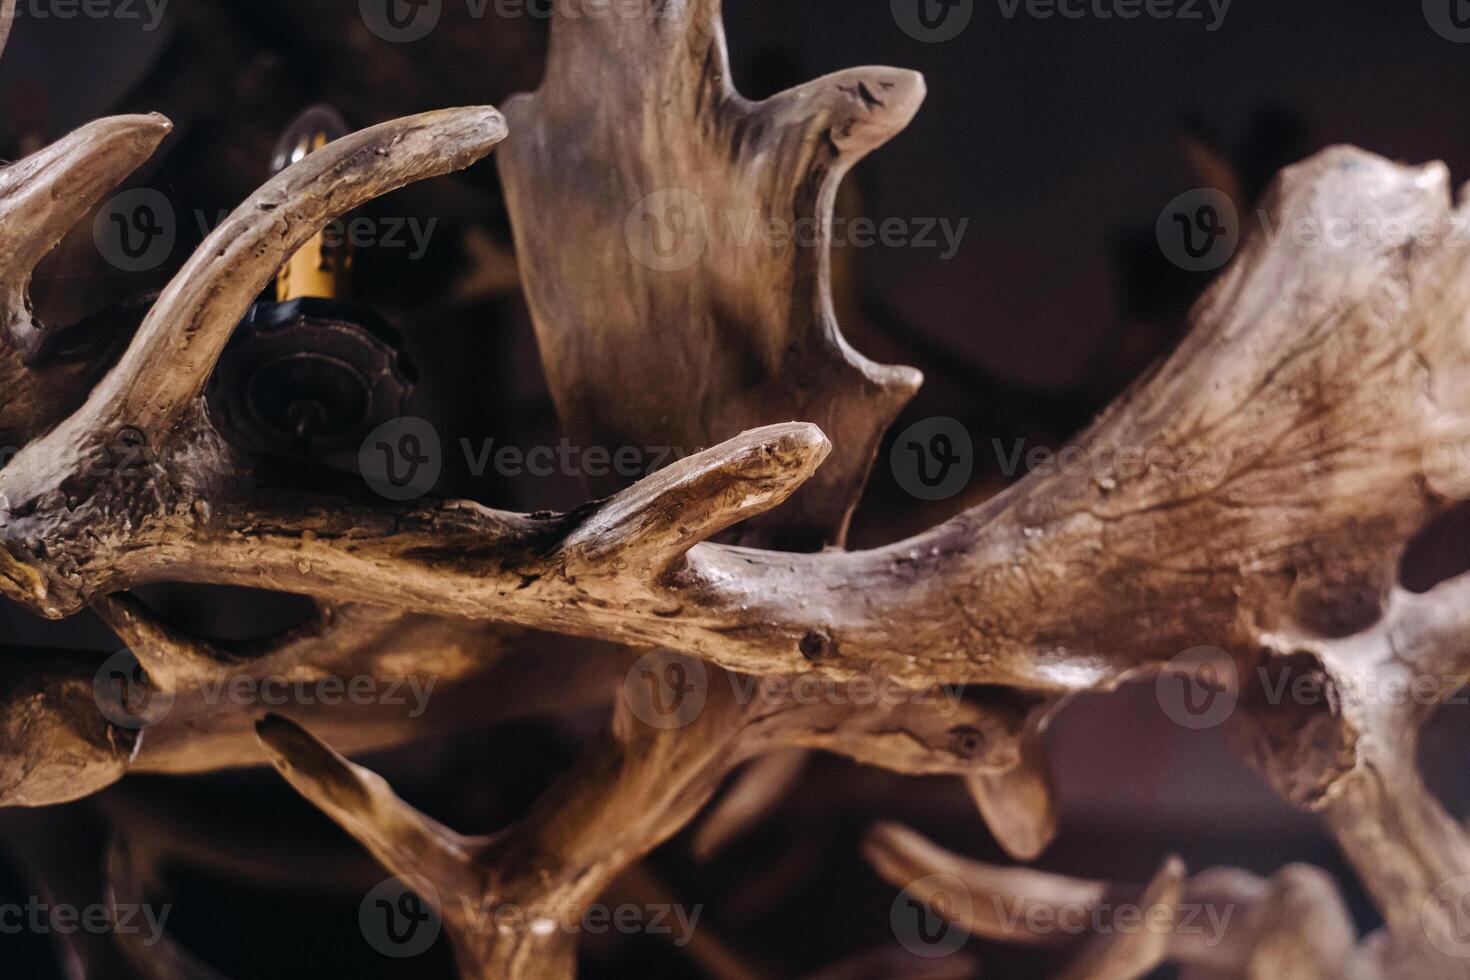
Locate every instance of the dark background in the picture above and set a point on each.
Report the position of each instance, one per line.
(1060, 140)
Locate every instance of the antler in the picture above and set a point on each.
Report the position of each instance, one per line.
(631, 792)
(1256, 490)
(1341, 740)
(1218, 925)
(41, 197)
(1059, 585)
(744, 326)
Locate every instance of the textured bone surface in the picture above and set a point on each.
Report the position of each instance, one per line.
(712, 315)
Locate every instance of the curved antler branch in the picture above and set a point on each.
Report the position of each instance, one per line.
(41, 198)
(630, 793)
(1221, 924)
(1333, 725)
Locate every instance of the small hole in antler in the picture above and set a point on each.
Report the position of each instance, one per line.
(814, 644)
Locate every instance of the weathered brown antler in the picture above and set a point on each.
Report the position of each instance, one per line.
(675, 200)
(1259, 463)
(1333, 725)
(41, 198)
(90, 495)
(1221, 924)
(630, 793)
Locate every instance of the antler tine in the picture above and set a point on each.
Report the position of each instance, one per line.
(402, 839)
(1127, 954)
(155, 383)
(655, 522)
(908, 860)
(758, 789)
(41, 198)
(630, 793)
(1237, 924)
(1019, 806)
(45, 194)
(624, 546)
(55, 746)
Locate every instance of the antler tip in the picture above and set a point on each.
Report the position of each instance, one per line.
(143, 130)
(480, 125)
(802, 443)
